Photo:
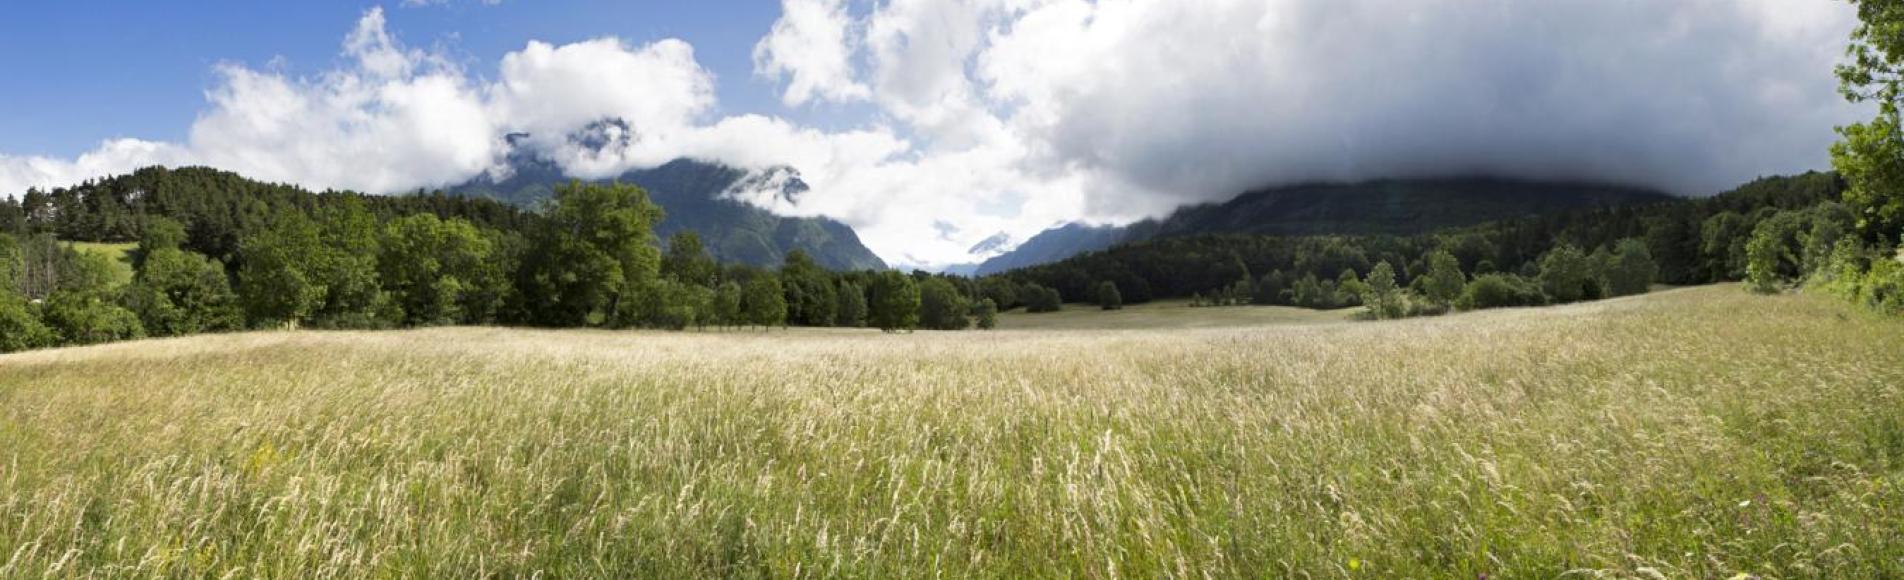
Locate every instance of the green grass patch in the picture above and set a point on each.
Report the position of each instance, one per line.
(121, 264)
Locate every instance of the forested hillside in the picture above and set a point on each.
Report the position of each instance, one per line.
(1687, 241)
(219, 252)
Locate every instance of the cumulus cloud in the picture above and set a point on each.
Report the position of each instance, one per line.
(812, 48)
(1008, 116)
(1118, 109)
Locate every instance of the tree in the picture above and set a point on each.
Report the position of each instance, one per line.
(1108, 298)
(1041, 299)
(1871, 155)
(764, 301)
(346, 265)
(440, 271)
(687, 260)
(665, 303)
(277, 284)
(726, 309)
(1270, 289)
(1382, 296)
(1568, 275)
(1350, 290)
(596, 241)
(1772, 256)
(852, 309)
(1444, 281)
(1632, 270)
(176, 293)
(1722, 242)
(1002, 291)
(941, 307)
(987, 314)
(895, 302)
(811, 300)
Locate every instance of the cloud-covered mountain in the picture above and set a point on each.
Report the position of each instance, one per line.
(1381, 207)
(704, 198)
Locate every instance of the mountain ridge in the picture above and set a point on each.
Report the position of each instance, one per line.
(1388, 206)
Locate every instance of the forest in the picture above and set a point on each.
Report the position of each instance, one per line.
(217, 252)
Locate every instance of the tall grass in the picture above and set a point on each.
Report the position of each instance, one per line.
(1697, 433)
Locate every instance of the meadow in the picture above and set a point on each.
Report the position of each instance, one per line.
(1699, 432)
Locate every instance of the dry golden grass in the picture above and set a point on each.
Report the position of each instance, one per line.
(1692, 433)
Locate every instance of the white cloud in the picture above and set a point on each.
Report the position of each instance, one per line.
(993, 116)
(549, 91)
(812, 47)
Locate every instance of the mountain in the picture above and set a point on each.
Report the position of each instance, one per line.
(1052, 245)
(1394, 207)
(701, 197)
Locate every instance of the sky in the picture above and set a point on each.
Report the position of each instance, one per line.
(932, 125)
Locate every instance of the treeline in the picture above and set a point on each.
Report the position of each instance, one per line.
(216, 252)
(1564, 257)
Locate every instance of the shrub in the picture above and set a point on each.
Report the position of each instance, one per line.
(1500, 291)
(1108, 298)
(987, 314)
(85, 318)
(20, 327)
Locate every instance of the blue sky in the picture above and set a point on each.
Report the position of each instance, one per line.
(931, 125)
(140, 69)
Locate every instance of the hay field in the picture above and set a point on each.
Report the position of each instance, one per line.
(1701, 432)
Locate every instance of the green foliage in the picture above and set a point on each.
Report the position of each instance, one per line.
(851, 312)
(1882, 289)
(1444, 281)
(20, 326)
(986, 314)
(941, 307)
(279, 282)
(597, 241)
(726, 310)
(159, 232)
(1108, 297)
(1871, 156)
(764, 302)
(895, 302)
(1568, 275)
(1002, 291)
(1632, 269)
(666, 303)
(1381, 295)
(346, 266)
(441, 271)
(1040, 299)
(177, 293)
(82, 318)
(811, 299)
(1772, 256)
(1272, 288)
(1500, 291)
(687, 260)
(1723, 239)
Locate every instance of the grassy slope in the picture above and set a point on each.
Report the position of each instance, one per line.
(1700, 432)
(121, 265)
